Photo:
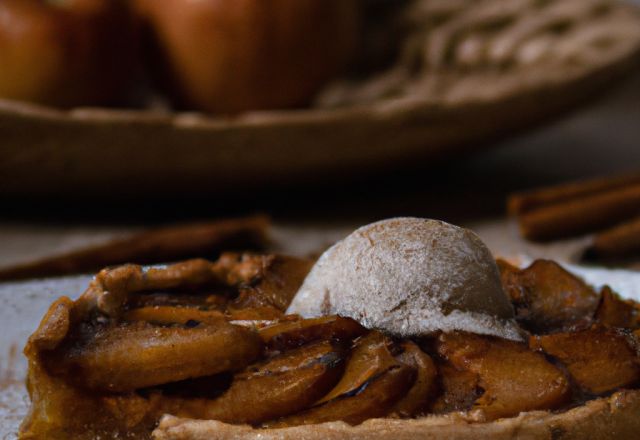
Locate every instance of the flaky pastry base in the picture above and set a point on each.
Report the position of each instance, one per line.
(611, 418)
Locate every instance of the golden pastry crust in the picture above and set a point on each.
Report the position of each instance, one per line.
(611, 418)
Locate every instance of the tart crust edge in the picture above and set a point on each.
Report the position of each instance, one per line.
(613, 417)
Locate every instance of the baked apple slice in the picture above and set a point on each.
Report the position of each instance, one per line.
(513, 377)
(546, 298)
(419, 396)
(297, 331)
(616, 312)
(600, 359)
(283, 385)
(458, 390)
(141, 355)
(167, 315)
(373, 381)
(267, 280)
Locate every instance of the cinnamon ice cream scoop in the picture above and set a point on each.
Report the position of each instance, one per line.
(410, 277)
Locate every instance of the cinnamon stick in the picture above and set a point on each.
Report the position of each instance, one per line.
(202, 239)
(616, 243)
(580, 215)
(523, 202)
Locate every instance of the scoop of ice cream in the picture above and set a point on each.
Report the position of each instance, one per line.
(410, 277)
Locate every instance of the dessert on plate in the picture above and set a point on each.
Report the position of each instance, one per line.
(408, 328)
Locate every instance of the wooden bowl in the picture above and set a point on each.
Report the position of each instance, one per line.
(450, 105)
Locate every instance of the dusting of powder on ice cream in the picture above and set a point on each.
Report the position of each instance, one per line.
(410, 277)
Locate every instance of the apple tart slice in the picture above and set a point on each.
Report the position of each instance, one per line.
(205, 348)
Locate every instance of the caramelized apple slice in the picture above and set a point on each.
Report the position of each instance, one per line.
(264, 313)
(293, 333)
(369, 358)
(514, 378)
(458, 390)
(168, 315)
(271, 280)
(600, 359)
(373, 381)
(253, 280)
(283, 385)
(372, 399)
(420, 394)
(616, 312)
(122, 359)
(65, 412)
(165, 315)
(546, 298)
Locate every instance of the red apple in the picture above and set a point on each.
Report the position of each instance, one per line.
(228, 56)
(66, 53)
